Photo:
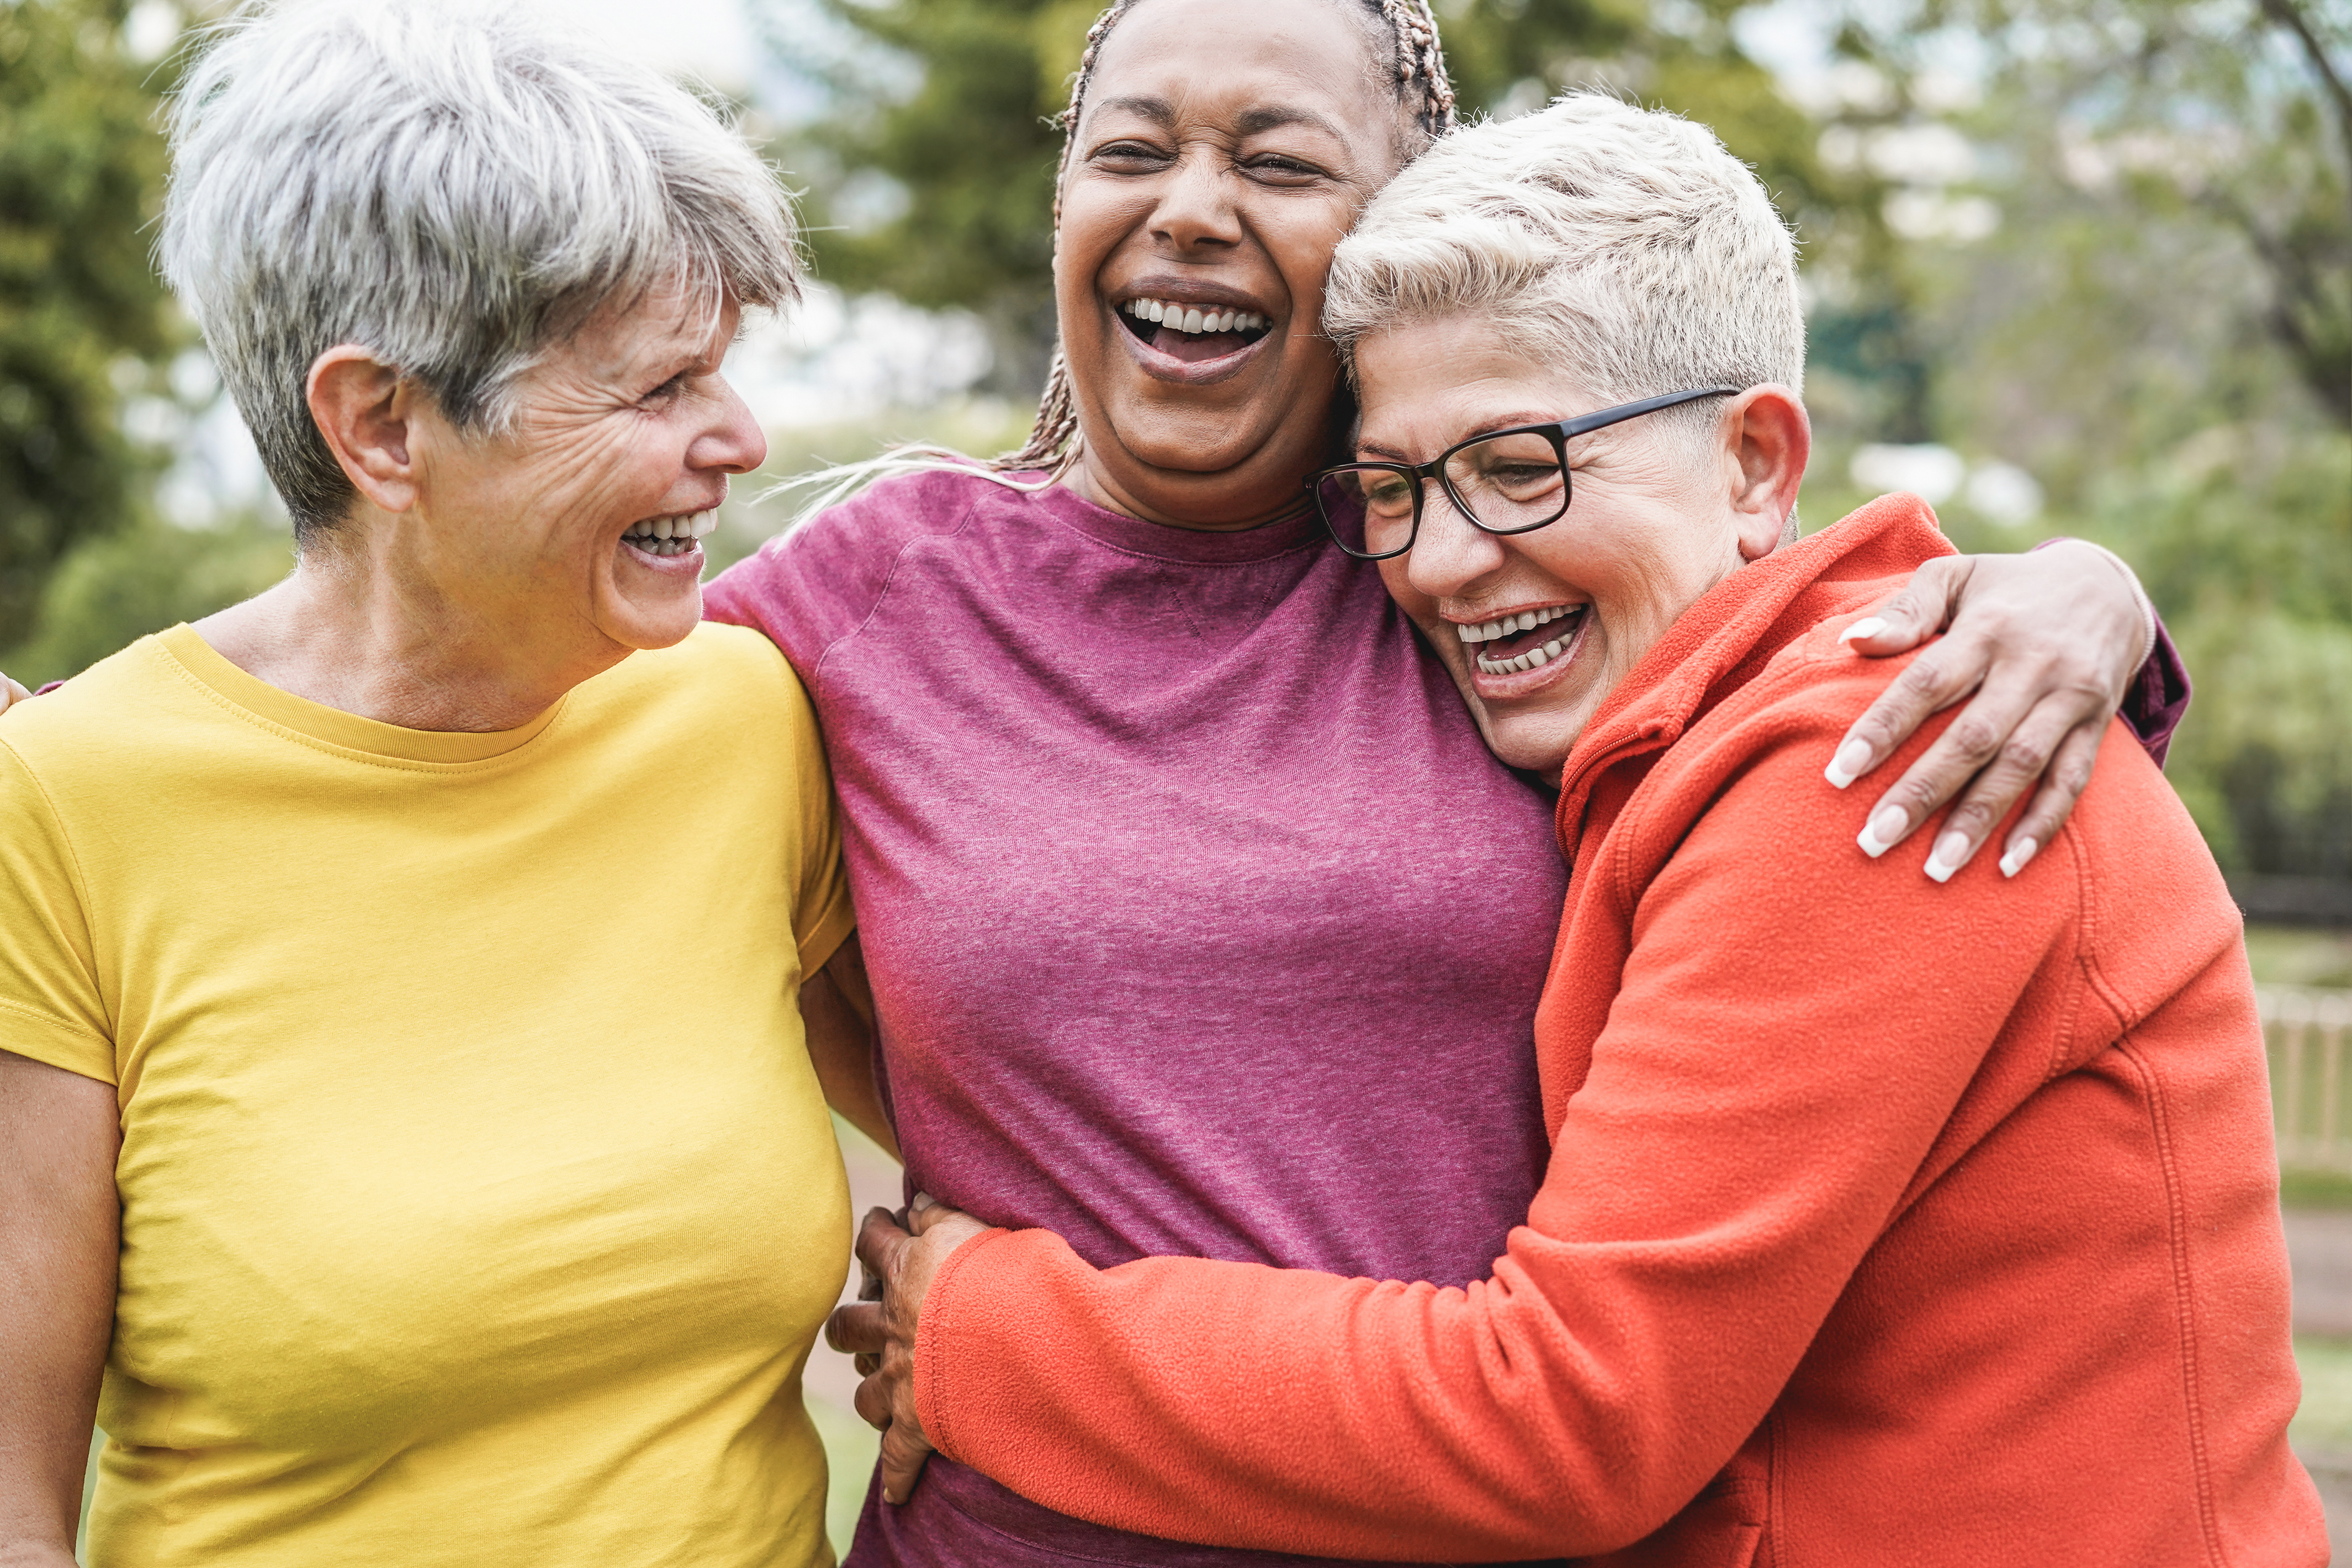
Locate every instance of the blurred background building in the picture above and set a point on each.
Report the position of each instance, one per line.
(2078, 266)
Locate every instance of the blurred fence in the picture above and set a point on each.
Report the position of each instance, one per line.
(2307, 1032)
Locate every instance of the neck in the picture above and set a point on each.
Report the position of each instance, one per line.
(1215, 504)
(361, 629)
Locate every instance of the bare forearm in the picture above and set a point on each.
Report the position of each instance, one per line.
(837, 1014)
(59, 1230)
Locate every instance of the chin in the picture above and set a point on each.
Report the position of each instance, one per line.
(639, 623)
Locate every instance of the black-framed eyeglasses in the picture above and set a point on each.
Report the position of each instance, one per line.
(1506, 481)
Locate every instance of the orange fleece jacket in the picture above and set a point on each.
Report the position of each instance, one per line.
(1886, 1222)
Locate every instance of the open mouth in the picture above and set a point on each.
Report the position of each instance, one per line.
(1528, 639)
(665, 536)
(1192, 333)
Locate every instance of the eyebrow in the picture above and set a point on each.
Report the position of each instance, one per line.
(1507, 422)
(1253, 121)
(1273, 117)
(1159, 110)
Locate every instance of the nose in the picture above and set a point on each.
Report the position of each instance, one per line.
(1195, 212)
(1448, 555)
(732, 442)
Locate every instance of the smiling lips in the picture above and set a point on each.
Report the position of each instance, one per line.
(1193, 332)
(1526, 652)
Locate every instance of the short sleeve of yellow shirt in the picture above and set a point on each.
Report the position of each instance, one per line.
(479, 1204)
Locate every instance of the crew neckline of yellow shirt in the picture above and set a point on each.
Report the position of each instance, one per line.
(368, 738)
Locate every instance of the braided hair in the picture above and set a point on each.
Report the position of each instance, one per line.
(1419, 60)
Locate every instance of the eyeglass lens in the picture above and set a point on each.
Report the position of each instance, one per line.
(1369, 511)
(1508, 483)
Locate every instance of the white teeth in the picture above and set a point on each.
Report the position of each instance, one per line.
(1534, 658)
(1192, 319)
(1467, 634)
(673, 535)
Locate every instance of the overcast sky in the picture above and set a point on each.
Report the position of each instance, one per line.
(709, 37)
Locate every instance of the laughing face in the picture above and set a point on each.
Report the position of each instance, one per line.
(582, 525)
(1538, 629)
(1226, 148)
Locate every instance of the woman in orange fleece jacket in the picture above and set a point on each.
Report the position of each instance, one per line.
(1883, 1224)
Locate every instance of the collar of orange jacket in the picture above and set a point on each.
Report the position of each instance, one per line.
(1719, 644)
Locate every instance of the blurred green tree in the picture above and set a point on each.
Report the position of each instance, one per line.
(2149, 308)
(83, 319)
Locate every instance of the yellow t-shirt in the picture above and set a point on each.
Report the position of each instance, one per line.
(479, 1204)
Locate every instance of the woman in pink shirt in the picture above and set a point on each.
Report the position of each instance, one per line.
(1199, 920)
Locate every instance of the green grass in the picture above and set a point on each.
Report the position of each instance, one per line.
(2323, 1424)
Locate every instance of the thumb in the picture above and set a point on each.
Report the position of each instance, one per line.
(1914, 613)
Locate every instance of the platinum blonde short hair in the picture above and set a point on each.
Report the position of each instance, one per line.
(1622, 245)
(453, 184)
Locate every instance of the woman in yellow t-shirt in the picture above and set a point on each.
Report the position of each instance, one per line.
(403, 1091)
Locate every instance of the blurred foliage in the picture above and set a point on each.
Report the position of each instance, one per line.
(82, 318)
(2158, 327)
(115, 589)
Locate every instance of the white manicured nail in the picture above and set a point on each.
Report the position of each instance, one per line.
(1851, 762)
(1868, 627)
(2019, 853)
(1946, 861)
(1884, 829)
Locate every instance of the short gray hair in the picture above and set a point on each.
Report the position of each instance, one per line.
(1624, 246)
(452, 185)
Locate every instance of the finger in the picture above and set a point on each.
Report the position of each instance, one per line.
(1967, 745)
(1915, 612)
(927, 1214)
(867, 1362)
(2023, 759)
(1932, 682)
(857, 1328)
(904, 1454)
(2062, 786)
(15, 693)
(872, 1403)
(878, 1241)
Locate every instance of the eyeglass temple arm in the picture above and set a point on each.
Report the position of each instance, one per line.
(1591, 422)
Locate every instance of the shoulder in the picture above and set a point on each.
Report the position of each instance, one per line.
(813, 584)
(120, 710)
(718, 674)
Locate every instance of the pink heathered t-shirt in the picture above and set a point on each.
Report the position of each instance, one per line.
(1200, 920)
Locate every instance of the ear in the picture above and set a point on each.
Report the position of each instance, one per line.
(1767, 441)
(364, 409)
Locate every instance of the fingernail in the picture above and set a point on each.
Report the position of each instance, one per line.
(1949, 850)
(1868, 627)
(924, 1199)
(1883, 830)
(1852, 762)
(2018, 854)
